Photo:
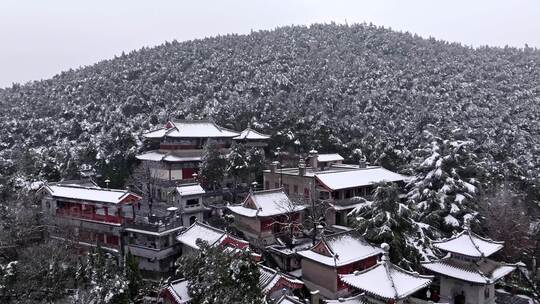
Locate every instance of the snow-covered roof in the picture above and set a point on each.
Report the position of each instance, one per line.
(269, 278)
(329, 157)
(387, 280)
(211, 235)
(179, 290)
(485, 271)
(251, 134)
(352, 203)
(286, 299)
(358, 299)
(340, 249)
(190, 189)
(266, 203)
(94, 194)
(191, 129)
(298, 244)
(336, 180)
(201, 231)
(470, 244)
(158, 156)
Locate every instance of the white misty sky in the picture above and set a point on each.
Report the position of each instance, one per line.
(38, 38)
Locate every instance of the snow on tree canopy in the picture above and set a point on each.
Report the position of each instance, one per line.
(442, 190)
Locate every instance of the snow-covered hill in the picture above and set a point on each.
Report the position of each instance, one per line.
(329, 87)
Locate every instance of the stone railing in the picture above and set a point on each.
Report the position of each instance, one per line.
(159, 225)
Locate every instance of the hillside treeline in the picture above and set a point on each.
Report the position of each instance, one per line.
(342, 88)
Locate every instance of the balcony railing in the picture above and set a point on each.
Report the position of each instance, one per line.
(151, 253)
(114, 219)
(155, 225)
(173, 183)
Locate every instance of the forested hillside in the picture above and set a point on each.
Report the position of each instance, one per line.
(328, 87)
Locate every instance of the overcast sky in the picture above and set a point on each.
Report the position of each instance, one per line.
(40, 38)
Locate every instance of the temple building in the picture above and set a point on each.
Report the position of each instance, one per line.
(466, 274)
(337, 184)
(252, 138)
(326, 160)
(176, 292)
(265, 215)
(275, 284)
(152, 242)
(334, 255)
(188, 199)
(358, 299)
(385, 282)
(178, 146)
(286, 299)
(88, 214)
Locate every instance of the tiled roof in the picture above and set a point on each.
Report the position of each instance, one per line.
(387, 280)
(94, 194)
(191, 129)
(470, 244)
(344, 248)
(267, 203)
(485, 271)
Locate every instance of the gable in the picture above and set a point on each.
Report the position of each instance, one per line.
(169, 125)
(250, 203)
(130, 198)
(321, 248)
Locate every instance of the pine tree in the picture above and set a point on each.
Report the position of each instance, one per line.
(387, 220)
(445, 187)
(7, 278)
(134, 278)
(213, 166)
(219, 276)
(255, 159)
(237, 165)
(102, 279)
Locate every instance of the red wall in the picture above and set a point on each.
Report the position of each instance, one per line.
(350, 268)
(74, 210)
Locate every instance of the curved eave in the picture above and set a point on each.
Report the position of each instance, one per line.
(376, 291)
(482, 279)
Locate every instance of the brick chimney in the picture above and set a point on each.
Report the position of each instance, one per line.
(302, 167)
(362, 163)
(313, 159)
(315, 297)
(273, 166)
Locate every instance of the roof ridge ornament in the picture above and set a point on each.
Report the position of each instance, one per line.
(385, 263)
(468, 231)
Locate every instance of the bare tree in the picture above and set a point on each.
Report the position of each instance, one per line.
(144, 181)
(289, 220)
(506, 219)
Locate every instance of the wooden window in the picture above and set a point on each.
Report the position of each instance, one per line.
(112, 239)
(286, 188)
